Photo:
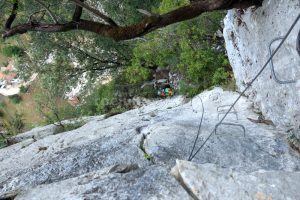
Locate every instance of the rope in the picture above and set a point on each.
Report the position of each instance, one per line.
(199, 129)
(248, 86)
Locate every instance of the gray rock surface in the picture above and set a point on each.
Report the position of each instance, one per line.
(247, 35)
(42, 132)
(209, 181)
(153, 182)
(134, 151)
(262, 146)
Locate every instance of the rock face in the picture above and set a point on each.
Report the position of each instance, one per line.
(248, 35)
(129, 156)
(207, 181)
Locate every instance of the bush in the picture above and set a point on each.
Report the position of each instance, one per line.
(2, 105)
(15, 99)
(220, 76)
(113, 97)
(100, 101)
(69, 127)
(1, 113)
(148, 92)
(188, 89)
(3, 142)
(24, 89)
(14, 124)
(10, 51)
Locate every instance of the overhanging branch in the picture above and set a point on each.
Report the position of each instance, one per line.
(95, 12)
(148, 24)
(12, 16)
(48, 10)
(78, 12)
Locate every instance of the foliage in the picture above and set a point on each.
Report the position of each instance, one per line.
(2, 105)
(11, 51)
(67, 59)
(148, 157)
(102, 100)
(191, 48)
(24, 89)
(147, 92)
(78, 55)
(1, 113)
(168, 5)
(69, 127)
(187, 89)
(114, 97)
(2, 142)
(13, 124)
(220, 76)
(50, 103)
(135, 74)
(125, 12)
(15, 99)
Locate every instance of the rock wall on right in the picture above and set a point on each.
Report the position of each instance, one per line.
(248, 35)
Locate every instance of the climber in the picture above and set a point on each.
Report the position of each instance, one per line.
(164, 88)
(161, 82)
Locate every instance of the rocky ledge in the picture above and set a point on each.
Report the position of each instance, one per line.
(130, 156)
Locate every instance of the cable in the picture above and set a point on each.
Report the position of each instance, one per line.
(199, 129)
(248, 86)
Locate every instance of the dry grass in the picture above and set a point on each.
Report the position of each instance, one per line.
(28, 108)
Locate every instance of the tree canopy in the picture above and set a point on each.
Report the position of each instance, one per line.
(22, 16)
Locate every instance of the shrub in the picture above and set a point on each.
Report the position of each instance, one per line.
(15, 99)
(188, 89)
(220, 76)
(3, 142)
(24, 89)
(135, 74)
(100, 101)
(69, 127)
(14, 124)
(148, 92)
(10, 51)
(2, 105)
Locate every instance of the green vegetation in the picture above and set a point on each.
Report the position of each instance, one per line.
(50, 105)
(23, 89)
(15, 99)
(2, 105)
(192, 49)
(69, 127)
(11, 51)
(148, 157)
(1, 113)
(13, 124)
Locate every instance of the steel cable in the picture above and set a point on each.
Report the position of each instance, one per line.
(248, 86)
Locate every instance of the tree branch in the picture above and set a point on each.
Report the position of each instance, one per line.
(48, 10)
(148, 24)
(78, 12)
(12, 16)
(95, 12)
